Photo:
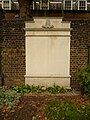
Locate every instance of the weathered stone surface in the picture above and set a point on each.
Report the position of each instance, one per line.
(47, 52)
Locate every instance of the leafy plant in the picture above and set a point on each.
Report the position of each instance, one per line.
(84, 78)
(33, 118)
(9, 98)
(27, 89)
(57, 89)
(67, 110)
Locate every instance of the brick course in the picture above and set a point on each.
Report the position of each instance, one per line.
(80, 40)
(13, 51)
(12, 46)
(69, 14)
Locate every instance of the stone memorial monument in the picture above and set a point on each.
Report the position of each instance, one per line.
(47, 52)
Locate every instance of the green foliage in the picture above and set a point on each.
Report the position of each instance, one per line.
(86, 111)
(84, 77)
(57, 89)
(9, 98)
(27, 89)
(33, 118)
(31, 89)
(67, 110)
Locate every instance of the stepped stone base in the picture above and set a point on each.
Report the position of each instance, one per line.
(48, 81)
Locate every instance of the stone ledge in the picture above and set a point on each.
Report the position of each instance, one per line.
(48, 81)
(47, 76)
(47, 29)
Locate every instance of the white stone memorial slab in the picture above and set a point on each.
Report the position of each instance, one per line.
(47, 52)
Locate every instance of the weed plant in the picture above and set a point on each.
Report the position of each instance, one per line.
(67, 110)
(27, 89)
(9, 98)
(57, 89)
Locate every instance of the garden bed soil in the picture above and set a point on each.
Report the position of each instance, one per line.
(32, 106)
